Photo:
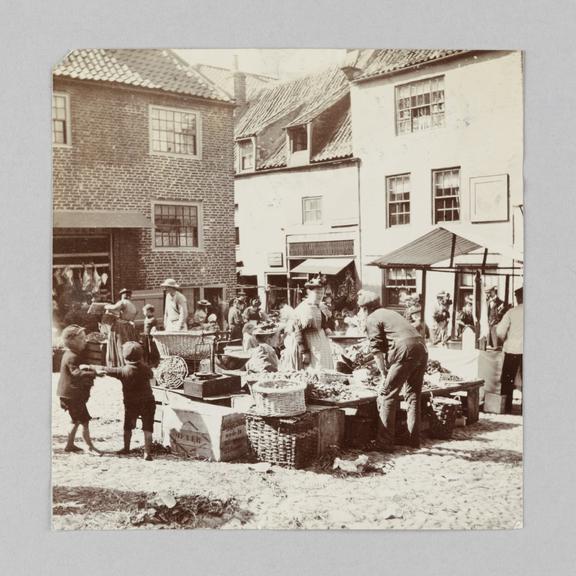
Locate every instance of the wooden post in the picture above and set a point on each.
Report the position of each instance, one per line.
(477, 303)
(423, 303)
(455, 300)
(507, 290)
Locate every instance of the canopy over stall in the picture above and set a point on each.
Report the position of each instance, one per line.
(329, 266)
(443, 243)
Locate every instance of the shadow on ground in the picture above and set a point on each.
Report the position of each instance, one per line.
(141, 509)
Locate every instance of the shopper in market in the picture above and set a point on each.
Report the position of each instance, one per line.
(253, 313)
(511, 331)
(121, 318)
(496, 310)
(201, 313)
(465, 317)
(401, 356)
(175, 307)
(440, 315)
(235, 320)
(314, 350)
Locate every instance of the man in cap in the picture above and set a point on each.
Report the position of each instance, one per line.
(175, 307)
(401, 356)
(511, 330)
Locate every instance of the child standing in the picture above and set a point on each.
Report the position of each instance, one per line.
(74, 387)
(138, 397)
(151, 355)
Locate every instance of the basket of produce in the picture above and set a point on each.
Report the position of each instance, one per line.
(290, 442)
(279, 397)
(442, 414)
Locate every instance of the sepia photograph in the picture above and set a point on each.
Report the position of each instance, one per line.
(287, 289)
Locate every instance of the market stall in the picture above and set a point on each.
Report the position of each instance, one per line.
(440, 251)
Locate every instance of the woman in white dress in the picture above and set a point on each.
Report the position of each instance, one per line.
(314, 350)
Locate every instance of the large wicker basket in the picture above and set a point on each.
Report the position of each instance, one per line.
(290, 442)
(279, 398)
(442, 414)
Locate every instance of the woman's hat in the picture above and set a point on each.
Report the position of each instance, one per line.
(441, 295)
(125, 291)
(203, 302)
(318, 281)
(366, 297)
(170, 283)
(469, 300)
(148, 307)
(259, 331)
(255, 302)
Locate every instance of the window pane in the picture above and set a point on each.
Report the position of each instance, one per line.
(173, 131)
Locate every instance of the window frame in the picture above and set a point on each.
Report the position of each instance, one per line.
(68, 125)
(200, 217)
(239, 143)
(396, 202)
(304, 212)
(198, 115)
(389, 287)
(459, 196)
(303, 128)
(397, 120)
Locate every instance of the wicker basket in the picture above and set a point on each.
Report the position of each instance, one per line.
(290, 442)
(279, 398)
(442, 414)
(177, 343)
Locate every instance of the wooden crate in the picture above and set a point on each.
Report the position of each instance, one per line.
(213, 387)
(359, 431)
(331, 427)
(201, 430)
(494, 403)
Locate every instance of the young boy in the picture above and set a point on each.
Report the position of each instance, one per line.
(74, 387)
(138, 397)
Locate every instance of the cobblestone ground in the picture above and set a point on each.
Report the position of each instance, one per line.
(473, 481)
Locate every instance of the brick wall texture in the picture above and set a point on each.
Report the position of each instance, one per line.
(108, 167)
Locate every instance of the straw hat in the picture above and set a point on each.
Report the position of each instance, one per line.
(170, 283)
(125, 291)
(203, 302)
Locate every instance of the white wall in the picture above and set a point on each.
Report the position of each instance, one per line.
(483, 135)
(270, 207)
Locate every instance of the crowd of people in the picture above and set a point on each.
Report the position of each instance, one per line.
(297, 340)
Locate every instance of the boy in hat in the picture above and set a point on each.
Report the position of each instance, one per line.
(74, 387)
(151, 355)
(138, 397)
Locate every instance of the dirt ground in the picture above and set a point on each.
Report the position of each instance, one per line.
(473, 481)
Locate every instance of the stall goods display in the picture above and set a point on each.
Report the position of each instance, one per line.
(279, 397)
(320, 384)
(439, 377)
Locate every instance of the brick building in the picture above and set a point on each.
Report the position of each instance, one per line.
(142, 178)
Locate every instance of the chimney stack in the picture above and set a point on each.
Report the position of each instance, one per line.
(240, 87)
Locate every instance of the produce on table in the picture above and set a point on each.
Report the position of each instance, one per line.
(96, 337)
(438, 377)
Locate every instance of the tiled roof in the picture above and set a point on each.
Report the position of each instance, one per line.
(321, 99)
(290, 98)
(339, 142)
(148, 68)
(376, 62)
(224, 78)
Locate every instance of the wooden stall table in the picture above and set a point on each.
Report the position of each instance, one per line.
(472, 390)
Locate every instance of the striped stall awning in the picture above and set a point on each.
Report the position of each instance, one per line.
(440, 244)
